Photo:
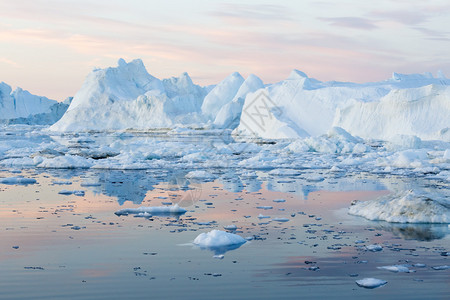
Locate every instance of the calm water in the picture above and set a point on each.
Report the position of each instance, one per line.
(75, 247)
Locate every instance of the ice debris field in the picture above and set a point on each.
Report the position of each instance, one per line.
(125, 133)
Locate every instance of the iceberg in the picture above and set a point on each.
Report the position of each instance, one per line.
(22, 107)
(133, 99)
(405, 207)
(299, 107)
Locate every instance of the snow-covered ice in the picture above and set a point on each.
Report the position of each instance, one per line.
(370, 283)
(18, 180)
(22, 107)
(405, 207)
(218, 238)
(174, 209)
(397, 269)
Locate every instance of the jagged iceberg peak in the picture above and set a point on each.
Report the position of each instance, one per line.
(296, 74)
(127, 81)
(417, 80)
(221, 94)
(22, 107)
(182, 85)
(230, 114)
(127, 96)
(5, 89)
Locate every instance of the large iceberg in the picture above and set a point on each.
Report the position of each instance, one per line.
(22, 107)
(127, 96)
(300, 106)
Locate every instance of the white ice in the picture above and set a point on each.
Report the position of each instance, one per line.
(218, 238)
(405, 207)
(370, 283)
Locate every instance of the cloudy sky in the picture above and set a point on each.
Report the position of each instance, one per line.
(49, 46)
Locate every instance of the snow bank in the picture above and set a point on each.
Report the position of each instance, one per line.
(21, 107)
(174, 209)
(218, 238)
(405, 207)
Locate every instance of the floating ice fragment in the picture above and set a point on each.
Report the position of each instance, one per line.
(370, 283)
(264, 207)
(440, 268)
(374, 248)
(59, 182)
(65, 192)
(280, 219)
(218, 238)
(397, 269)
(279, 200)
(201, 175)
(17, 180)
(75, 192)
(263, 217)
(90, 184)
(174, 209)
(230, 227)
(405, 207)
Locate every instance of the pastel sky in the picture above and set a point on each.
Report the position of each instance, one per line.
(49, 46)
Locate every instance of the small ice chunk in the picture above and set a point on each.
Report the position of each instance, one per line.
(174, 209)
(263, 217)
(440, 268)
(75, 192)
(219, 256)
(374, 248)
(60, 182)
(90, 184)
(201, 175)
(17, 180)
(264, 207)
(78, 193)
(279, 200)
(280, 219)
(370, 283)
(65, 192)
(230, 227)
(284, 172)
(218, 238)
(397, 269)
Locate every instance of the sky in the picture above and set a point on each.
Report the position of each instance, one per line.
(49, 46)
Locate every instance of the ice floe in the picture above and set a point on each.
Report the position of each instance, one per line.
(397, 269)
(218, 238)
(370, 283)
(174, 209)
(405, 207)
(18, 180)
